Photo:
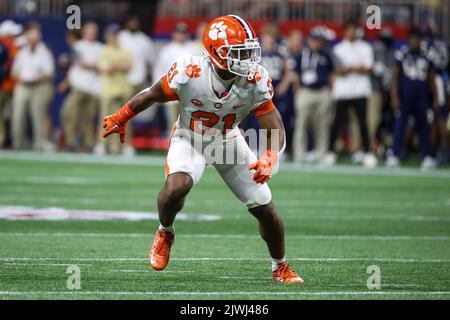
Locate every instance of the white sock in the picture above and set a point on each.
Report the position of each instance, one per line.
(276, 263)
(170, 228)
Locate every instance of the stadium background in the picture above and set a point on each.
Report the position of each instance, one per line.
(98, 213)
(158, 20)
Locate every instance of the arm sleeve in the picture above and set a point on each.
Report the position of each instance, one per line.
(263, 93)
(175, 79)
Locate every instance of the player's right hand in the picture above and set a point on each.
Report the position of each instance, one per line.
(117, 122)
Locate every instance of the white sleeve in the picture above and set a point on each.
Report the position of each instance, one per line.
(176, 76)
(263, 87)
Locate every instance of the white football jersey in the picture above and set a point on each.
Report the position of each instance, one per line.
(190, 80)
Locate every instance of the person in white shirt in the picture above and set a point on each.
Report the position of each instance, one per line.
(142, 49)
(33, 69)
(81, 105)
(352, 87)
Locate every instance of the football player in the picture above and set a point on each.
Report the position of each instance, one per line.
(215, 92)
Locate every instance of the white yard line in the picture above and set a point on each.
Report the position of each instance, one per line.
(225, 236)
(55, 213)
(325, 259)
(243, 278)
(64, 180)
(159, 161)
(45, 264)
(151, 271)
(231, 293)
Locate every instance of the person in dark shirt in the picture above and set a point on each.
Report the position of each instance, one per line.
(314, 68)
(437, 51)
(413, 84)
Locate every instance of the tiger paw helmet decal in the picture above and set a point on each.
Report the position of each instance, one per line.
(217, 30)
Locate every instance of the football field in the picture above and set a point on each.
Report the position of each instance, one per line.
(94, 218)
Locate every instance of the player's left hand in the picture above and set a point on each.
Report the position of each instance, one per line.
(263, 167)
(112, 125)
(117, 122)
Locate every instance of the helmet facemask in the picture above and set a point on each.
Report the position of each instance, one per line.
(242, 59)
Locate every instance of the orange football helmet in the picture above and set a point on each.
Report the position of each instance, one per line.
(231, 44)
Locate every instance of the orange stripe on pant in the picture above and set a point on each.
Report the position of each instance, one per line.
(174, 128)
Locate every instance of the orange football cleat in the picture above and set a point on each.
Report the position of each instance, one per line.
(284, 274)
(158, 257)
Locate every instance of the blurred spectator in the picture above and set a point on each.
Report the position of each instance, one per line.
(81, 105)
(413, 84)
(437, 52)
(294, 42)
(179, 46)
(292, 48)
(380, 116)
(381, 78)
(277, 66)
(142, 49)
(33, 69)
(114, 64)
(351, 88)
(8, 31)
(197, 44)
(314, 68)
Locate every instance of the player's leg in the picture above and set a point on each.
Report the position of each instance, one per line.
(184, 168)
(258, 200)
(271, 229)
(172, 196)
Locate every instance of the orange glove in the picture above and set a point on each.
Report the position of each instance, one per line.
(263, 167)
(117, 122)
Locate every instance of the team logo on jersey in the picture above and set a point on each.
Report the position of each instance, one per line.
(197, 102)
(217, 31)
(217, 105)
(193, 71)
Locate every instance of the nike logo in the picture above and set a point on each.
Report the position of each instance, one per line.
(152, 259)
(238, 106)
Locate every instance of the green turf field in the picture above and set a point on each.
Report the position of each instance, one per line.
(338, 222)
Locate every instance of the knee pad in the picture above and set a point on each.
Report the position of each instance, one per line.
(259, 197)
